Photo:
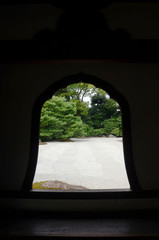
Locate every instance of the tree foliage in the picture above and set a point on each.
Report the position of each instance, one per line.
(101, 108)
(113, 126)
(76, 91)
(59, 120)
(67, 114)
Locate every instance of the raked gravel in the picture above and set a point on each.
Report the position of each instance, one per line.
(94, 163)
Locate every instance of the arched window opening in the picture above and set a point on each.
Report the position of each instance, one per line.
(81, 141)
(128, 163)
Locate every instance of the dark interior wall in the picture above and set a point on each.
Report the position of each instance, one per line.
(24, 21)
(23, 83)
(139, 19)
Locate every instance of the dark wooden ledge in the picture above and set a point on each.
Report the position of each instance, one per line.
(33, 226)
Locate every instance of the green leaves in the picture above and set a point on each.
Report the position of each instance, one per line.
(67, 115)
(59, 120)
(101, 109)
(113, 126)
(76, 91)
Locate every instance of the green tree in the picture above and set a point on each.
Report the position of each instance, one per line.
(68, 115)
(76, 91)
(113, 126)
(82, 108)
(59, 120)
(102, 108)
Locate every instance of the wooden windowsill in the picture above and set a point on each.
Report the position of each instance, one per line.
(50, 227)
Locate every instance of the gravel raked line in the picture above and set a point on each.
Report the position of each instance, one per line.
(94, 163)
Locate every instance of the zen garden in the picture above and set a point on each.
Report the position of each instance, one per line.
(80, 141)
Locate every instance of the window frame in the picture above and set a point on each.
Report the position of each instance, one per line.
(127, 143)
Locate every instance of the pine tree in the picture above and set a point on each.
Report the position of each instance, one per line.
(59, 120)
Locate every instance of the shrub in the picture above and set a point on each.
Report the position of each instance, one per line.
(98, 132)
(113, 126)
(117, 132)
